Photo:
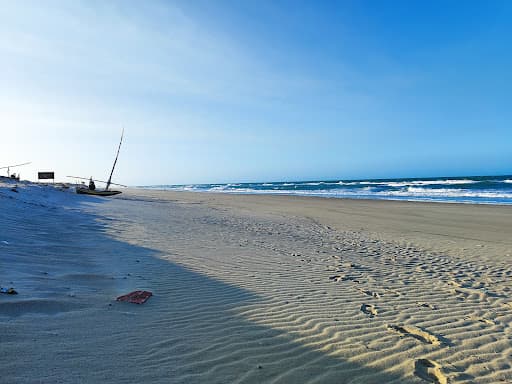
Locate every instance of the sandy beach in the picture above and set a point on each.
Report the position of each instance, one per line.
(252, 289)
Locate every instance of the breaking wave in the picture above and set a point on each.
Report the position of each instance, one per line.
(479, 189)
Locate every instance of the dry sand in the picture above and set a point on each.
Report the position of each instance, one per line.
(253, 289)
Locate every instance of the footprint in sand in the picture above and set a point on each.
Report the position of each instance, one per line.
(484, 320)
(453, 283)
(487, 321)
(427, 305)
(369, 309)
(370, 293)
(415, 332)
(466, 293)
(430, 370)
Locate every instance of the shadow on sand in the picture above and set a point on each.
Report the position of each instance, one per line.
(188, 332)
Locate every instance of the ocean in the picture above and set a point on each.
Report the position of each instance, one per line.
(474, 189)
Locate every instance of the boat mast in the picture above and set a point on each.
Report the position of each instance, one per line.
(115, 161)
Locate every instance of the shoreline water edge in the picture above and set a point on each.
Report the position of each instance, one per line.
(467, 189)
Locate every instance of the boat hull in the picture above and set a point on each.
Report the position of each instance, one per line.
(86, 191)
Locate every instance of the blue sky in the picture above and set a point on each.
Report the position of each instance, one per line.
(222, 91)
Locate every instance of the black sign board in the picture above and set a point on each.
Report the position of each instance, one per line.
(45, 175)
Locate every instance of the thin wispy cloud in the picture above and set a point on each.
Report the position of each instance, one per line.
(205, 85)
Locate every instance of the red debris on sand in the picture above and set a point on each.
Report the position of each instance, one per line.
(136, 297)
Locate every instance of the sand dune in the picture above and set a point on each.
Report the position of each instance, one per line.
(251, 289)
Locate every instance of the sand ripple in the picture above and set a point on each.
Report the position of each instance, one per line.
(335, 295)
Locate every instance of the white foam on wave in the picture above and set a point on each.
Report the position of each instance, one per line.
(190, 188)
(411, 193)
(406, 183)
(218, 188)
(433, 182)
(447, 192)
(369, 191)
(419, 190)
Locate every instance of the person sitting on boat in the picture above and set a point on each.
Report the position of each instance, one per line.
(92, 186)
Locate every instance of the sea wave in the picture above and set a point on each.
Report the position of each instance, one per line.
(492, 189)
(369, 191)
(406, 183)
(447, 192)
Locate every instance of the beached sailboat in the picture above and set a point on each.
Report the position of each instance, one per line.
(91, 190)
(84, 190)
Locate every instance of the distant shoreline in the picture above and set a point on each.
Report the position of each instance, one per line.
(443, 202)
(474, 189)
(431, 224)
